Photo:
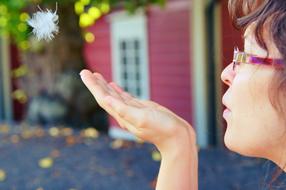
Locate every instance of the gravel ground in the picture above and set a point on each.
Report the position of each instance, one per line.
(73, 160)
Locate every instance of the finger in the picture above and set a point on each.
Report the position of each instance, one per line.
(122, 123)
(131, 128)
(119, 90)
(131, 114)
(99, 76)
(116, 87)
(149, 103)
(103, 82)
(128, 98)
(101, 79)
(97, 90)
(155, 105)
(159, 107)
(99, 94)
(97, 87)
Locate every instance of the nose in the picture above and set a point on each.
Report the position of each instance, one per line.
(228, 74)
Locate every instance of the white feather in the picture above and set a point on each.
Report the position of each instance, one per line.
(44, 24)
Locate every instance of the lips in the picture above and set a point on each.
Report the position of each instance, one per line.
(224, 103)
(227, 111)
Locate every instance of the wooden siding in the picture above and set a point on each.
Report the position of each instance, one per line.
(98, 54)
(169, 51)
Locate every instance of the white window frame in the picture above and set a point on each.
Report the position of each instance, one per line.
(126, 26)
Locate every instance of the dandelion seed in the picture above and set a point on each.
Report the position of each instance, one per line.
(44, 24)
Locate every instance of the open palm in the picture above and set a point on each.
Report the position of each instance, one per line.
(146, 119)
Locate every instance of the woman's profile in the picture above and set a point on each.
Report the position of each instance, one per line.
(255, 100)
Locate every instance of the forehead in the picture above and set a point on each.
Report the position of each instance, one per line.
(251, 46)
(249, 31)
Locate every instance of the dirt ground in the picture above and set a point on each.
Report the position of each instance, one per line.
(66, 159)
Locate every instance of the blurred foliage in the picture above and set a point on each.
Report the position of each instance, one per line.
(14, 14)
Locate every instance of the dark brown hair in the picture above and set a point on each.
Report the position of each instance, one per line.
(269, 16)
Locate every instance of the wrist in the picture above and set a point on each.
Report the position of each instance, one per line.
(183, 140)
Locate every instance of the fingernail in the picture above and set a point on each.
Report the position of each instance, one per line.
(84, 70)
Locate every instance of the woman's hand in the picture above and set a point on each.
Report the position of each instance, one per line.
(147, 120)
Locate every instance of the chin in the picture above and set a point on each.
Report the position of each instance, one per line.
(235, 144)
(239, 146)
(229, 142)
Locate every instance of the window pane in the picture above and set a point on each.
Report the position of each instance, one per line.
(136, 44)
(138, 92)
(123, 45)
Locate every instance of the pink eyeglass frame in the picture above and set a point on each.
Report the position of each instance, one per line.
(242, 57)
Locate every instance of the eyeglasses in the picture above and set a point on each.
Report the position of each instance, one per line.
(242, 57)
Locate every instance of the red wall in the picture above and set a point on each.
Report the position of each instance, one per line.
(169, 60)
(98, 53)
(169, 57)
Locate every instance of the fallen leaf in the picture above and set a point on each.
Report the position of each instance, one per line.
(66, 131)
(39, 132)
(15, 139)
(70, 140)
(156, 156)
(116, 144)
(54, 131)
(120, 143)
(4, 129)
(46, 162)
(27, 134)
(91, 133)
(2, 175)
(55, 153)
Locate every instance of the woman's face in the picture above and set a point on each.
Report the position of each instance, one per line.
(253, 126)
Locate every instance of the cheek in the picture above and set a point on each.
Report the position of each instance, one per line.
(252, 126)
(257, 136)
(238, 136)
